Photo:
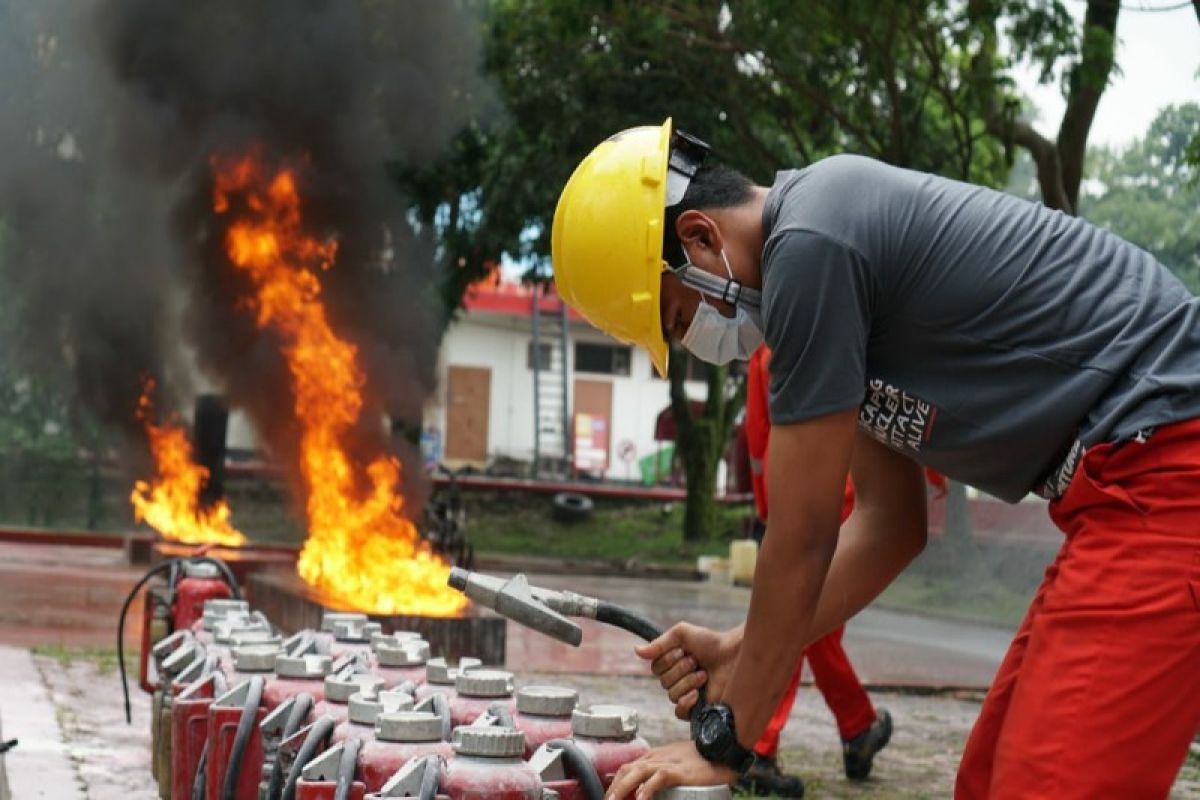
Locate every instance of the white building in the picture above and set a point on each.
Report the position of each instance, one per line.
(483, 411)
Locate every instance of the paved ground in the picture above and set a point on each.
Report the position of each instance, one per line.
(888, 648)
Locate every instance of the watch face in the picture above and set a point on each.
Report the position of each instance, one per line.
(711, 728)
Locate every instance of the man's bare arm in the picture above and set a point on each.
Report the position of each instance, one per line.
(810, 578)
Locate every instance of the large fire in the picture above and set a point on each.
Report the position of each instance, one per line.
(361, 551)
(169, 503)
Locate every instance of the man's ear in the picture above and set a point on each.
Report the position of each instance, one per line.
(695, 229)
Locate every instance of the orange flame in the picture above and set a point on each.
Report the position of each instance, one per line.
(169, 503)
(361, 551)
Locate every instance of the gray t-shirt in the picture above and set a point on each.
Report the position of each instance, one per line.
(982, 335)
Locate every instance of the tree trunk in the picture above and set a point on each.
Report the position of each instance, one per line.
(700, 511)
(700, 441)
(1060, 163)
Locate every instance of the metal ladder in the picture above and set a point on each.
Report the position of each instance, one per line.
(551, 406)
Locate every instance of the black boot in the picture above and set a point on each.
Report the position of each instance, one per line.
(764, 779)
(857, 753)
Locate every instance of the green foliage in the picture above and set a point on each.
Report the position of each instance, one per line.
(770, 85)
(1147, 192)
(649, 533)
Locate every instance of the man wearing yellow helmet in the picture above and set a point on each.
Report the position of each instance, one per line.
(916, 320)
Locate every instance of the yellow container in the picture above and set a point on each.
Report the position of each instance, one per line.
(743, 555)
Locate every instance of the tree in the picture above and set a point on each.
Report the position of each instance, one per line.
(1044, 33)
(1147, 192)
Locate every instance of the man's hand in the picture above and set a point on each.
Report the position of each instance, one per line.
(676, 764)
(687, 657)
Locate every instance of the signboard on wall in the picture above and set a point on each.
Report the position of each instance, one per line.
(591, 443)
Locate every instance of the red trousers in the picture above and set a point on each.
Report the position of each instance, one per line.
(839, 686)
(1099, 694)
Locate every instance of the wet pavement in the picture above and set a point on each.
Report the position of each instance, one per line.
(888, 648)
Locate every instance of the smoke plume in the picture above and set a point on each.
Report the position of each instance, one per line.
(110, 114)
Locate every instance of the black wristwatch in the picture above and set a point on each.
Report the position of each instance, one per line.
(716, 739)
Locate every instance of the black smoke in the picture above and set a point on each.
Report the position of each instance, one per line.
(111, 112)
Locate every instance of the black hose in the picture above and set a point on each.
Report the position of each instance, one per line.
(431, 778)
(222, 567)
(200, 779)
(246, 725)
(346, 768)
(441, 706)
(301, 705)
(627, 620)
(645, 628)
(318, 733)
(157, 568)
(502, 714)
(580, 767)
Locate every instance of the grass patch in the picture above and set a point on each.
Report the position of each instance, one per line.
(104, 659)
(645, 533)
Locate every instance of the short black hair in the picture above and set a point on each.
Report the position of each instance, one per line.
(713, 186)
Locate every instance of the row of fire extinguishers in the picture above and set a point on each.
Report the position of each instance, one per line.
(348, 712)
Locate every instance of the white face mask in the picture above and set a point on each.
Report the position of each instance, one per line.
(717, 339)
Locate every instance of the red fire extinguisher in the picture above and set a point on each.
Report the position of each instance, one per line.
(172, 606)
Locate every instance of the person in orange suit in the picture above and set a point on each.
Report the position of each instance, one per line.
(863, 731)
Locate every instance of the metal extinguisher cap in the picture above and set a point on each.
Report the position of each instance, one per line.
(408, 726)
(331, 618)
(225, 630)
(489, 742)
(439, 672)
(355, 630)
(408, 653)
(696, 793)
(307, 666)
(547, 701)
(200, 569)
(367, 705)
(255, 657)
(394, 636)
(340, 688)
(220, 609)
(484, 683)
(605, 722)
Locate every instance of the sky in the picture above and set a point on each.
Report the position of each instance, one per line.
(1158, 54)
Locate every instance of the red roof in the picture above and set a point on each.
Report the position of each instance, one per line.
(513, 299)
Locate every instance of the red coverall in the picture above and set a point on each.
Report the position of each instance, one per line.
(831, 669)
(1097, 695)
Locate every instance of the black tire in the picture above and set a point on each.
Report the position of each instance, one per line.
(572, 507)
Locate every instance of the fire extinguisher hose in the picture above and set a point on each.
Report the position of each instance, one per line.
(579, 767)
(318, 733)
(431, 778)
(221, 566)
(301, 705)
(240, 739)
(346, 769)
(441, 706)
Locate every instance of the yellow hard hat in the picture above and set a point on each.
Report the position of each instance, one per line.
(607, 240)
